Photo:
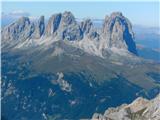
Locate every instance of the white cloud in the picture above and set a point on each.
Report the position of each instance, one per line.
(19, 13)
(15, 14)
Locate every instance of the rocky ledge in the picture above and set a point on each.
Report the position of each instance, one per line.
(140, 109)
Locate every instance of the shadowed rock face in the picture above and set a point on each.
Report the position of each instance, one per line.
(41, 25)
(116, 31)
(39, 28)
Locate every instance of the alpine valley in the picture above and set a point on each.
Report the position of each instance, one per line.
(69, 69)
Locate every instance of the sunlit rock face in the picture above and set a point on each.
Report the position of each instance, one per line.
(19, 30)
(69, 28)
(140, 109)
(64, 27)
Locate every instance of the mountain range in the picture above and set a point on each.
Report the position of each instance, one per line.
(64, 69)
(116, 33)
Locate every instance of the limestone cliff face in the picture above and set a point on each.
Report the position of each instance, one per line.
(115, 33)
(39, 28)
(53, 24)
(140, 109)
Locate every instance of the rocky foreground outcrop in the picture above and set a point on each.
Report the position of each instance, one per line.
(140, 109)
(116, 33)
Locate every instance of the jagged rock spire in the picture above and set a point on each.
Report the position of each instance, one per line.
(39, 28)
(53, 24)
(69, 29)
(41, 25)
(88, 29)
(68, 18)
(86, 26)
(117, 30)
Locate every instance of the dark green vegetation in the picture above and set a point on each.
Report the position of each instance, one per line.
(30, 90)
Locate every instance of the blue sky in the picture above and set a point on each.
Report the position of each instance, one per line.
(140, 13)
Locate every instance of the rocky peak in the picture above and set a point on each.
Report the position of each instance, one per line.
(86, 25)
(41, 25)
(53, 24)
(19, 30)
(116, 14)
(24, 21)
(68, 18)
(39, 28)
(110, 20)
(69, 29)
(63, 27)
(117, 31)
(88, 29)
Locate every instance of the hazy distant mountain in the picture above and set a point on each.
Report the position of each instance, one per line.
(148, 42)
(148, 53)
(64, 69)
